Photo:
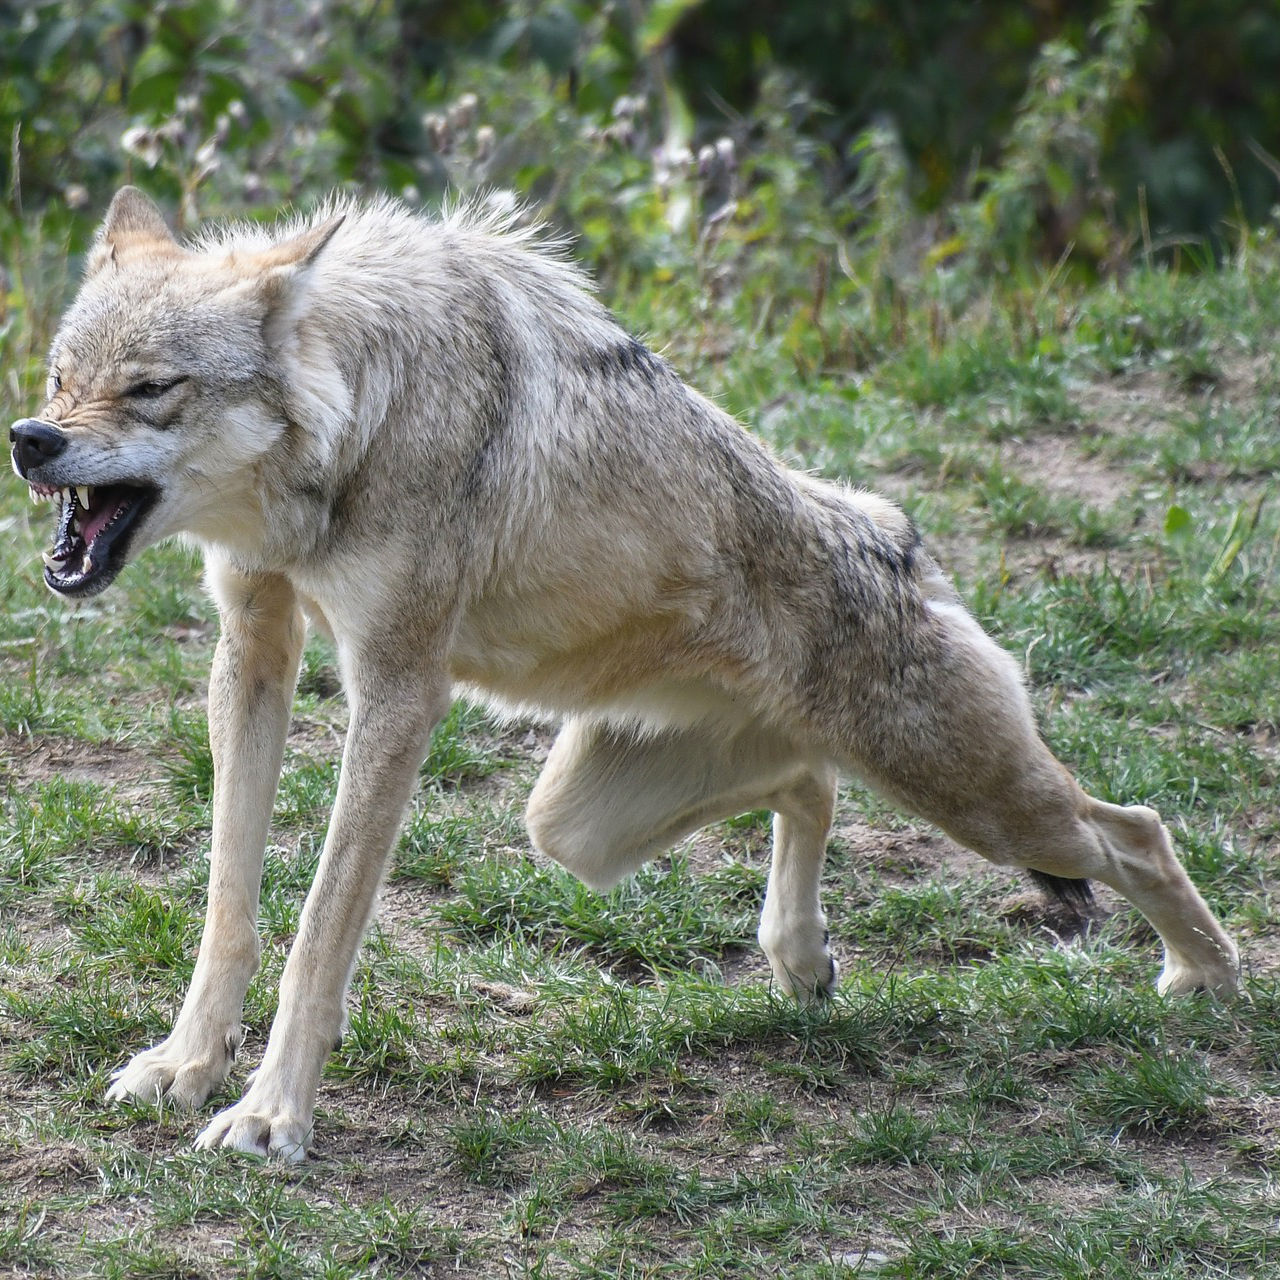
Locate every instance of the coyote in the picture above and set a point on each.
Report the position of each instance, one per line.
(430, 440)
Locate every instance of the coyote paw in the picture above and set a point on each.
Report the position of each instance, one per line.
(1181, 978)
(171, 1074)
(260, 1127)
(803, 965)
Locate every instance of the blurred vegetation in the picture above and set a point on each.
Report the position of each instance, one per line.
(870, 149)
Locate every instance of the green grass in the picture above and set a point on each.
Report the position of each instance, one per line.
(540, 1081)
(657, 920)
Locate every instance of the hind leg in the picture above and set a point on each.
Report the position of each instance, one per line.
(974, 764)
(1061, 830)
(1138, 860)
(1039, 818)
(610, 799)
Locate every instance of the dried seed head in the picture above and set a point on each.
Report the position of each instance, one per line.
(463, 112)
(438, 131)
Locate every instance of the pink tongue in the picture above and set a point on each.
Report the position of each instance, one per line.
(93, 521)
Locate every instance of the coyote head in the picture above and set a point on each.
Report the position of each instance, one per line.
(164, 389)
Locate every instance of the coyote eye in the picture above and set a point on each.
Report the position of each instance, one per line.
(151, 390)
(55, 383)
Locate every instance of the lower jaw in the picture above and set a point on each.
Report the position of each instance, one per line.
(80, 587)
(101, 574)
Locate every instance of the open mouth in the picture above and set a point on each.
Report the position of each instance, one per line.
(95, 526)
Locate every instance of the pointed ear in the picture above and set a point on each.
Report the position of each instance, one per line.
(267, 274)
(264, 279)
(132, 220)
(133, 215)
(301, 250)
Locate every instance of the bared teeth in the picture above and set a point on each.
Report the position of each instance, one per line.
(63, 543)
(85, 493)
(86, 565)
(52, 561)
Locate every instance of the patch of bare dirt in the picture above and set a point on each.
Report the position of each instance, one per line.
(25, 759)
(905, 854)
(1066, 465)
(49, 1166)
(1064, 469)
(1128, 404)
(405, 916)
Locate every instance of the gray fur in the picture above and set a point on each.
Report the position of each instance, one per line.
(432, 440)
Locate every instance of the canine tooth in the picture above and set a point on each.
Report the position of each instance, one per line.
(35, 497)
(86, 564)
(83, 492)
(51, 560)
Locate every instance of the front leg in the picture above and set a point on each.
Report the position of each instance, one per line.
(255, 667)
(391, 721)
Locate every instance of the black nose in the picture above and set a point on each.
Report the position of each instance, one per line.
(34, 443)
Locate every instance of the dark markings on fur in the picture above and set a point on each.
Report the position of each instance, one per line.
(872, 591)
(872, 568)
(314, 493)
(759, 541)
(500, 349)
(337, 504)
(627, 357)
(869, 591)
(1075, 894)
